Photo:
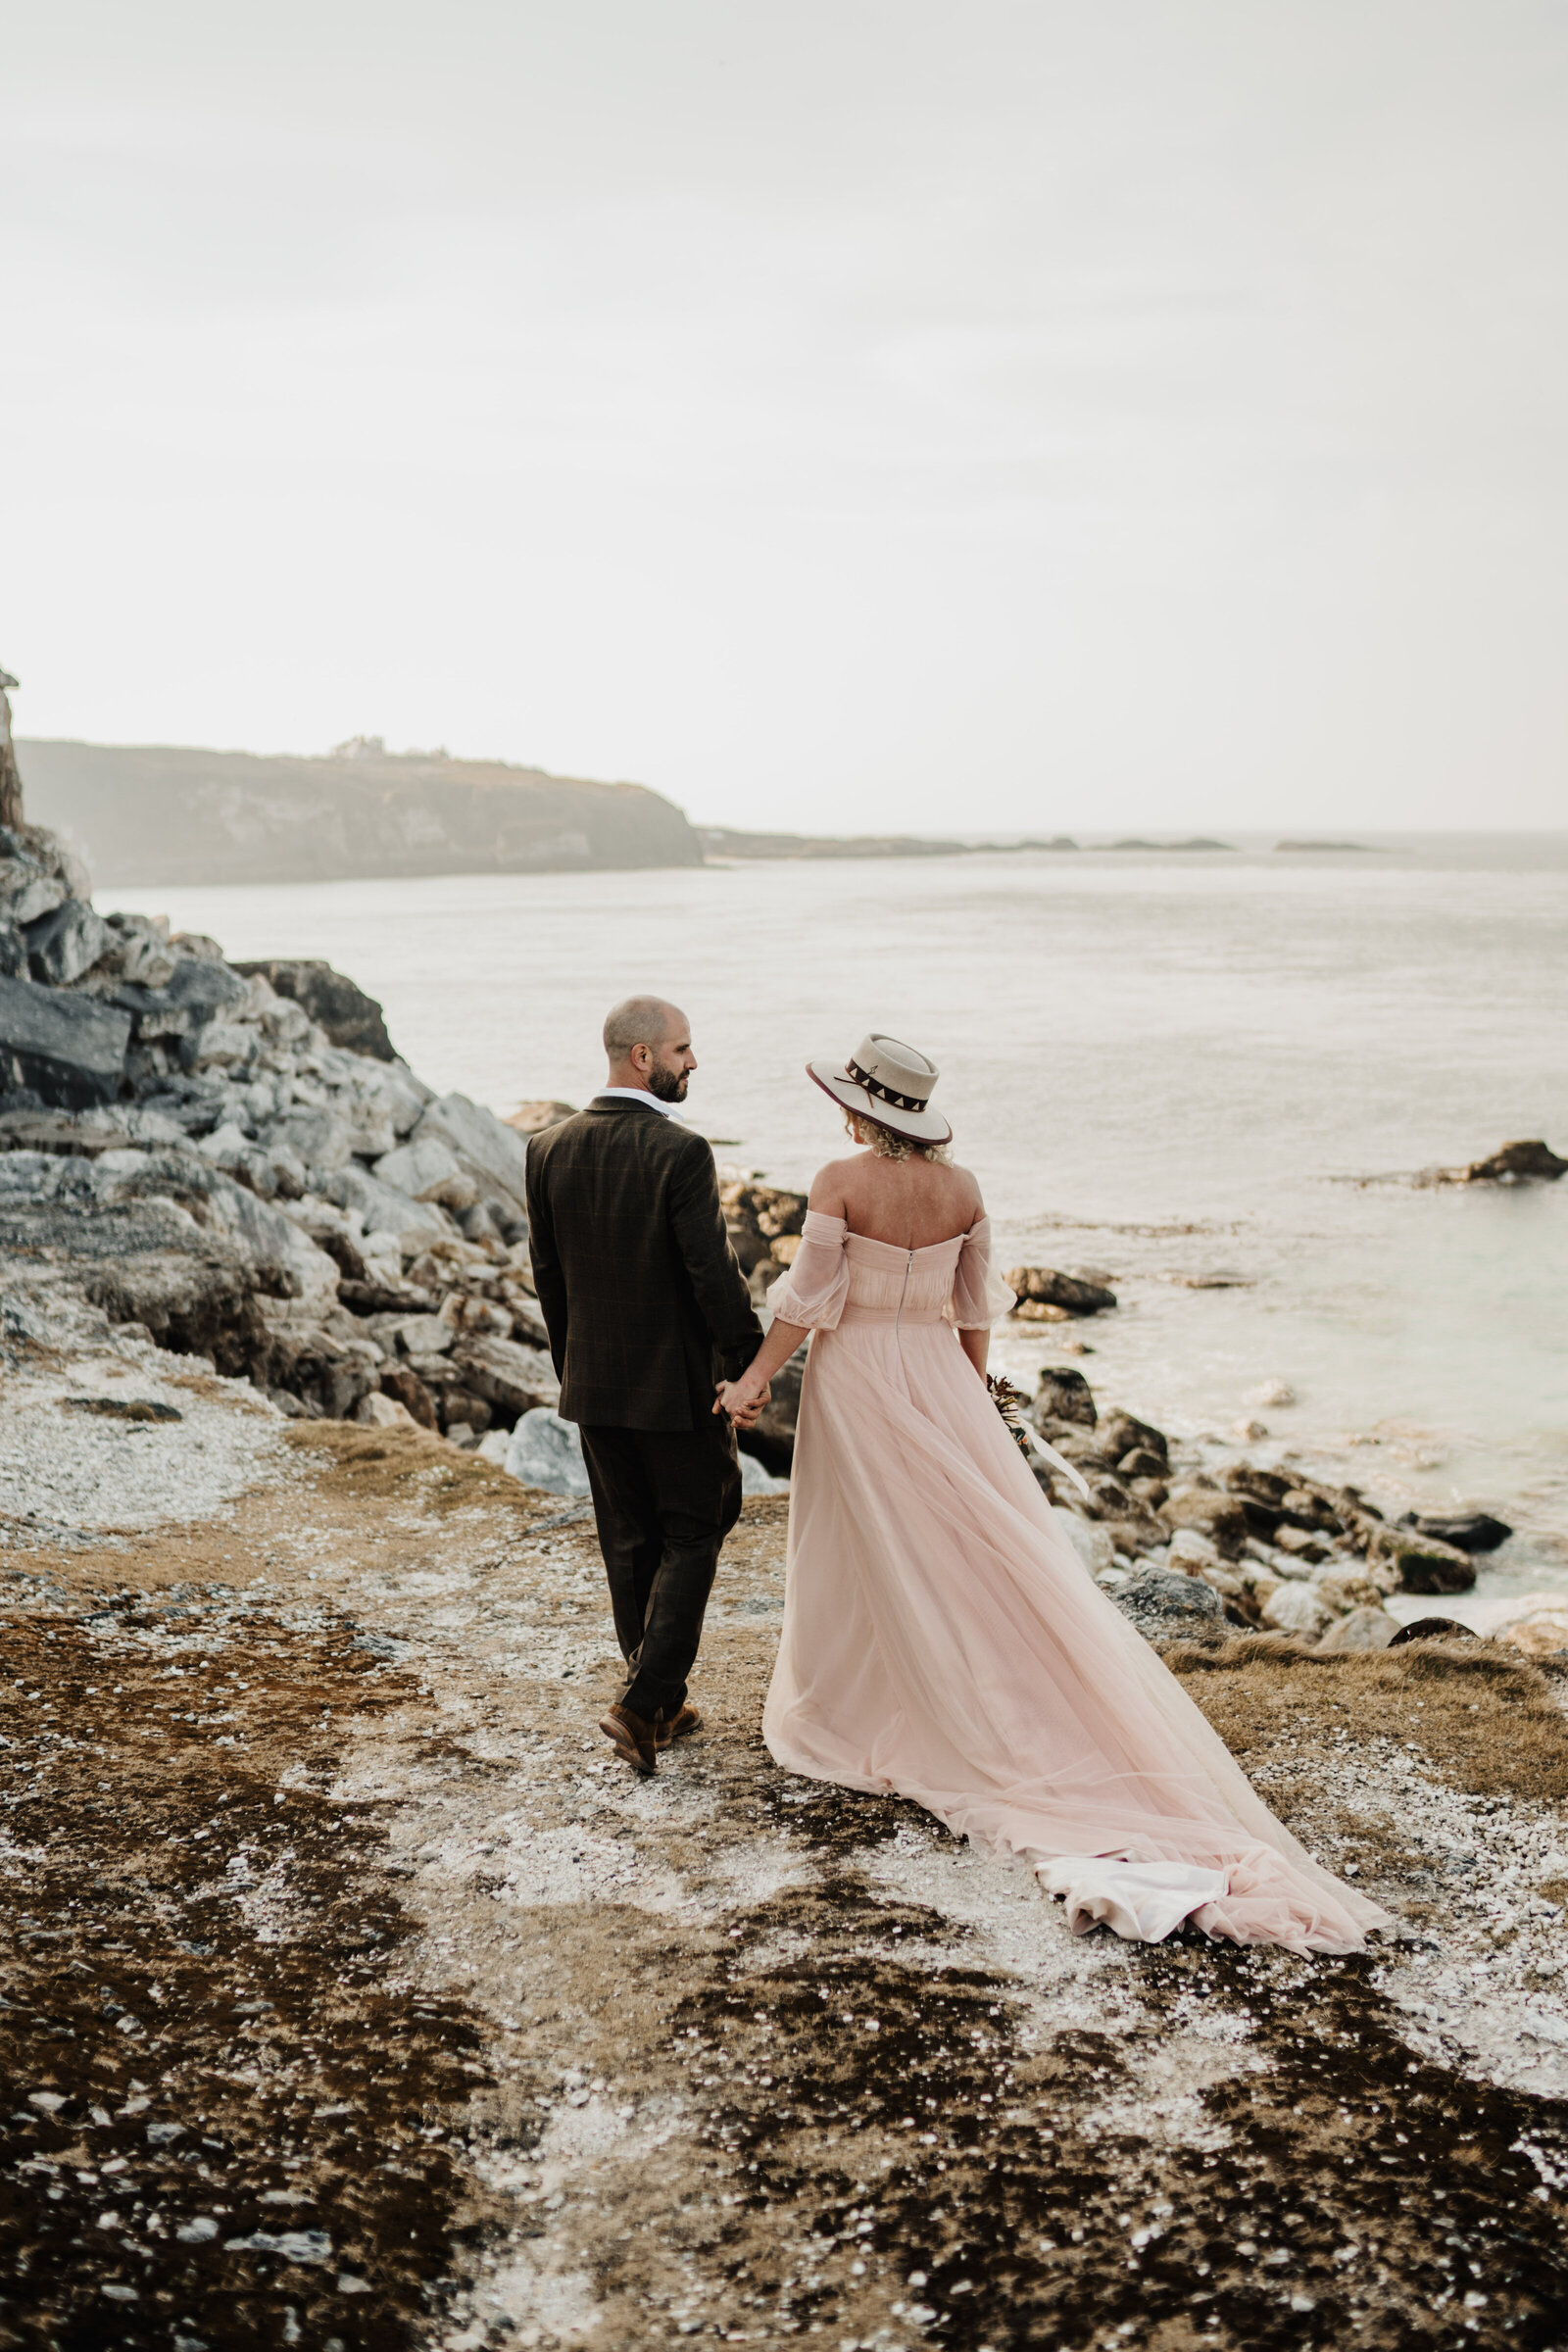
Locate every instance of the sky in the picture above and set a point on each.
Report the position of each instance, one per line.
(863, 414)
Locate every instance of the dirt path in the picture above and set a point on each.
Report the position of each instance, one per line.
(356, 1999)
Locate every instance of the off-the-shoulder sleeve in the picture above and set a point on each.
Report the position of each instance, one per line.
(813, 1292)
(979, 1296)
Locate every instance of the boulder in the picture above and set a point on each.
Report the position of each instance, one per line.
(12, 950)
(1046, 1285)
(205, 988)
(1169, 1607)
(403, 1383)
(1515, 1163)
(1218, 1516)
(547, 1451)
(419, 1168)
(1435, 1629)
(1345, 1591)
(1466, 1531)
(68, 1050)
(1364, 1628)
(230, 1045)
(511, 1380)
(1122, 1433)
(480, 1143)
(1092, 1543)
(1295, 1609)
(26, 892)
(384, 1210)
(1063, 1396)
(1192, 1551)
(66, 943)
(377, 1411)
(316, 1134)
(1421, 1563)
(350, 1018)
(532, 1118)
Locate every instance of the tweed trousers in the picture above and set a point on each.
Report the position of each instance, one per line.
(664, 1502)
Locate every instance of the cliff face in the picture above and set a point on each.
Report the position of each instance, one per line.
(154, 814)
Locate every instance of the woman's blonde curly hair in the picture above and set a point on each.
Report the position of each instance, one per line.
(886, 1143)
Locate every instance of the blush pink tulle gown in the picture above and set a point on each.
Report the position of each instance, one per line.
(943, 1638)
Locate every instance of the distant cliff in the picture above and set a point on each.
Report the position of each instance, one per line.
(151, 814)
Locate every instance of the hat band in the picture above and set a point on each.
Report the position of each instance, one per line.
(885, 1093)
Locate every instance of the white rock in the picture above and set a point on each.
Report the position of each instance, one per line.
(377, 1411)
(1092, 1544)
(1276, 1392)
(413, 1167)
(425, 1335)
(1191, 1550)
(482, 1143)
(1295, 1609)
(547, 1451)
(755, 1480)
(387, 1211)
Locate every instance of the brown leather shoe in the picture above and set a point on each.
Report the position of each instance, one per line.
(635, 1741)
(679, 1727)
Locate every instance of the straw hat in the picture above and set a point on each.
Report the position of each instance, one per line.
(889, 1083)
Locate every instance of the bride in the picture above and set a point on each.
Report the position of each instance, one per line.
(942, 1638)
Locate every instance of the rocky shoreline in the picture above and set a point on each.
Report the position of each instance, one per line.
(356, 2001)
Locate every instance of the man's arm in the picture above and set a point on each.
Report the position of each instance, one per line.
(698, 1223)
(548, 1281)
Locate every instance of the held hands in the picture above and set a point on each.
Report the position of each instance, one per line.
(742, 1401)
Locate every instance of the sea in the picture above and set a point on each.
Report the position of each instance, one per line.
(1208, 1078)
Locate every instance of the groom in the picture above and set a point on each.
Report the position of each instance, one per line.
(646, 1308)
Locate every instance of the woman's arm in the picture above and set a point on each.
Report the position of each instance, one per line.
(744, 1398)
(976, 1346)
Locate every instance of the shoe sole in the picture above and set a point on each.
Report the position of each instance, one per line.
(625, 1748)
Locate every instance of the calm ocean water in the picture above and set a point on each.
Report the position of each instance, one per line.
(1168, 1067)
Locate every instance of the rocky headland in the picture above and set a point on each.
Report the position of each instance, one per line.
(355, 1998)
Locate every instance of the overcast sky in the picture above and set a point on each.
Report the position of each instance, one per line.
(848, 414)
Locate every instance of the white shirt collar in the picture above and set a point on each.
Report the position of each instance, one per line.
(637, 1094)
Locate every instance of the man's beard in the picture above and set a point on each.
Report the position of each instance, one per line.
(668, 1084)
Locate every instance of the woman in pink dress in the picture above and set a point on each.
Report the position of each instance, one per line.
(942, 1638)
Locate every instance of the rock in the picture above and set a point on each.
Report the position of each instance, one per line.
(1192, 1551)
(1218, 1516)
(1421, 1562)
(318, 1136)
(1046, 1286)
(483, 1144)
(350, 1018)
(1091, 1543)
(1169, 1607)
(378, 1411)
(12, 950)
(1276, 1393)
(384, 1210)
(1143, 1465)
(755, 1480)
(403, 1383)
(423, 1335)
(547, 1451)
(1062, 1396)
(511, 1380)
(1295, 1609)
(1544, 1637)
(27, 892)
(204, 988)
(221, 1045)
(68, 1050)
(1343, 1591)
(1246, 1433)
(1364, 1628)
(1433, 1629)
(1514, 1163)
(419, 1168)
(65, 944)
(532, 1118)
(1466, 1531)
(1301, 1543)
(1122, 1433)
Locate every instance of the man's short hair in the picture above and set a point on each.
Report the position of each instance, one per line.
(639, 1021)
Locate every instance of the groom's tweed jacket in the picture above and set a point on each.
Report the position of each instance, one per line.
(643, 1298)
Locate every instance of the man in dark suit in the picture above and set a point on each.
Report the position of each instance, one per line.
(647, 1309)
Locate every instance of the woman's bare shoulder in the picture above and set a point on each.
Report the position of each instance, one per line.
(830, 1187)
(966, 1188)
